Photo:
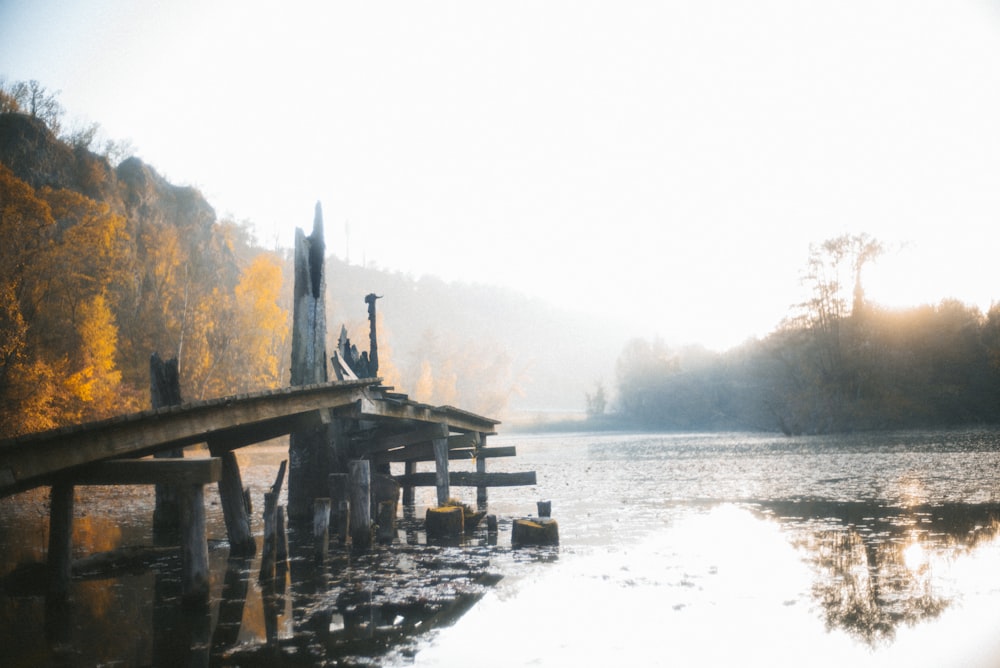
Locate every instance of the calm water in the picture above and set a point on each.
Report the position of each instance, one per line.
(704, 549)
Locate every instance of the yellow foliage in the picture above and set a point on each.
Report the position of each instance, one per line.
(94, 385)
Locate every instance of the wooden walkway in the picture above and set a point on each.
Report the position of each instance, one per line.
(395, 429)
(385, 427)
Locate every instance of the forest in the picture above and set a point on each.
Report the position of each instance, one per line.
(104, 262)
(838, 364)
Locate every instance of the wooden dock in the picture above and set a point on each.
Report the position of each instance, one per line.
(386, 427)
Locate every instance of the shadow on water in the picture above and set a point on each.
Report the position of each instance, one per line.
(874, 563)
(349, 609)
(358, 605)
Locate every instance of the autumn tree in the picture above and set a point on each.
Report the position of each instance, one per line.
(34, 99)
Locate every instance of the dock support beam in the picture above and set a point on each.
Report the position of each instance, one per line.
(194, 546)
(481, 495)
(360, 485)
(408, 496)
(60, 558)
(234, 507)
(441, 467)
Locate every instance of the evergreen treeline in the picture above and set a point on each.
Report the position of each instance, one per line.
(830, 369)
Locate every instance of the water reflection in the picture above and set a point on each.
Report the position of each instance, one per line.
(357, 605)
(127, 610)
(874, 564)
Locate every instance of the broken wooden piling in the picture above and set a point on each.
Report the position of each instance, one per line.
(359, 472)
(308, 449)
(60, 557)
(321, 528)
(234, 505)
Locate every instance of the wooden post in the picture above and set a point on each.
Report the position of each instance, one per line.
(386, 522)
(359, 471)
(408, 496)
(481, 494)
(343, 521)
(441, 469)
(321, 528)
(337, 485)
(165, 390)
(306, 449)
(270, 550)
(194, 546)
(444, 523)
(545, 509)
(234, 507)
(60, 558)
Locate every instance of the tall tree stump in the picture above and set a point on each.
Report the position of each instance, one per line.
(310, 452)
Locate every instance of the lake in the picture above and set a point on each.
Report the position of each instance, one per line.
(675, 549)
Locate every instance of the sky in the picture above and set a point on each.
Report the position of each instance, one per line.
(663, 165)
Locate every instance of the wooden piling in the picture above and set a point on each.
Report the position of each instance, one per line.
(60, 558)
(343, 521)
(308, 366)
(444, 523)
(337, 485)
(359, 471)
(321, 528)
(194, 546)
(270, 550)
(540, 532)
(545, 509)
(481, 493)
(386, 520)
(234, 507)
(408, 496)
(441, 470)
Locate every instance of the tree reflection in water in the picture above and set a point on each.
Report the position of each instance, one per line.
(874, 563)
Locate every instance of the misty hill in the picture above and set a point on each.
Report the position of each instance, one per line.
(495, 340)
(167, 272)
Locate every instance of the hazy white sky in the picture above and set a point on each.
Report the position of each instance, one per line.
(665, 164)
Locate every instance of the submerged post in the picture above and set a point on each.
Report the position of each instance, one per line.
(408, 496)
(321, 528)
(194, 545)
(60, 558)
(234, 506)
(441, 468)
(481, 493)
(361, 514)
(310, 450)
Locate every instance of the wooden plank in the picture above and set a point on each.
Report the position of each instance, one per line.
(418, 434)
(27, 460)
(150, 472)
(470, 479)
(373, 408)
(424, 452)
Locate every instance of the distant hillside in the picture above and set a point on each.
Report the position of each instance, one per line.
(496, 341)
(171, 283)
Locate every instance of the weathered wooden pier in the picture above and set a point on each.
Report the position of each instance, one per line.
(353, 428)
